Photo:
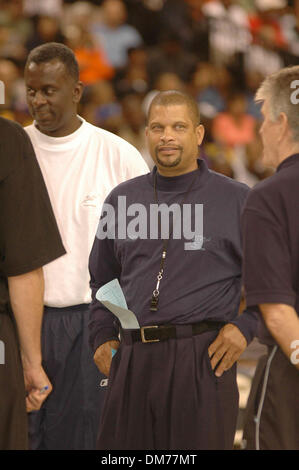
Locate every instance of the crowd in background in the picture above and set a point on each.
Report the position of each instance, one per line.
(217, 50)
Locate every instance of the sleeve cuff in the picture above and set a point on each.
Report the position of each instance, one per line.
(247, 323)
(256, 298)
(104, 335)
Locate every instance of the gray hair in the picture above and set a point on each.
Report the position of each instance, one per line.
(279, 91)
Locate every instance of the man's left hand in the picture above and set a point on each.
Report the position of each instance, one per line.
(37, 386)
(227, 348)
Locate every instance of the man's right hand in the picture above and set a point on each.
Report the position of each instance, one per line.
(103, 356)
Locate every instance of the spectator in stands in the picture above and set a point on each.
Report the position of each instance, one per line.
(290, 28)
(102, 107)
(15, 29)
(180, 21)
(47, 29)
(228, 29)
(92, 60)
(134, 78)
(164, 81)
(50, 7)
(171, 57)
(263, 57)
(234, 127)
(213, 89)
(132, 129)
(114, 34)
(145, 16)
(234, 130)
(267, 14)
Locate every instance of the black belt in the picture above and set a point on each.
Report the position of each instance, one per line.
(156, 333)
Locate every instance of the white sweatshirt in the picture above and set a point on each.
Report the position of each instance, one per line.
(80, 170)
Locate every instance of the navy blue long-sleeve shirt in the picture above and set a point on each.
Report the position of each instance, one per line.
(200, 283)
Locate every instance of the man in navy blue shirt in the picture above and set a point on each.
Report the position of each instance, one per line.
(172, 383)
(271, 269)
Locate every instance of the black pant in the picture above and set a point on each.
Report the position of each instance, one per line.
(272, 412)
(13, 417)
(69, 418)
(165, 396)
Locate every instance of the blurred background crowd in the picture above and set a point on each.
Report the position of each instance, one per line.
(217, 50)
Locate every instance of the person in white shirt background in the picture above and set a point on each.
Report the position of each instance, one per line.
(80, 163)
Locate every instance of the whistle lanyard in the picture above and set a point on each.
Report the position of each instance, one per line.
(156, 291)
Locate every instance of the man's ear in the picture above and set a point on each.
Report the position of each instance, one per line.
(283, 126)
(77, 92)
(200, 132)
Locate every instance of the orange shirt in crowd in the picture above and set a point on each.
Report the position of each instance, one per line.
(93, 65)
(229, 132)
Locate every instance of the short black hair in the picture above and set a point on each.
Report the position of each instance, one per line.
(55, 50)
(176, 97)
